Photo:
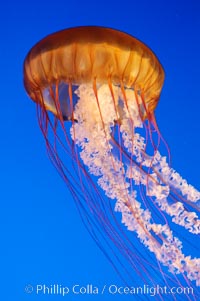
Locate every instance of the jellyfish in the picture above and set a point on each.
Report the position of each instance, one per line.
(96, 90)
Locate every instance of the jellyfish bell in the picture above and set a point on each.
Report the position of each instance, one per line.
(103, 86)
(93, 54)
